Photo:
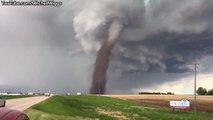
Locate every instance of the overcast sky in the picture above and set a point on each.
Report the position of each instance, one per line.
(41, 49)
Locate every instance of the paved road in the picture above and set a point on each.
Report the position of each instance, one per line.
(22, 104)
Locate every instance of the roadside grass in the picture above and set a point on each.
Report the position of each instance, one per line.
(104, 108)
(7, 97)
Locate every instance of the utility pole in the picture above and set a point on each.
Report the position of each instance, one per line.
(98, 92)
(195, 91)
(99, 87)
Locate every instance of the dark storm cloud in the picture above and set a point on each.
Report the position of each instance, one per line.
(165, 51)
(38, 46)
(170, 47)
(139, 80)
(175, 35)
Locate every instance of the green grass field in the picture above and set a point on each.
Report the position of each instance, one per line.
(104, 108)
(7, 97)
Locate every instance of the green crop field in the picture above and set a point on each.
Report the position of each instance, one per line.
(104, 108)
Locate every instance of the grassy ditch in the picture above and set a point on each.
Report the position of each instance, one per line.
(104, 108)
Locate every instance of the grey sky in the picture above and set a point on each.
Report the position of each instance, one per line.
(39, 51)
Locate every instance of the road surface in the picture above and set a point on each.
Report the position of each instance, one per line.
(22, 104)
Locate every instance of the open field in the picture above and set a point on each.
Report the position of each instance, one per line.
(104, 108)
(204, 103)
(7, 97)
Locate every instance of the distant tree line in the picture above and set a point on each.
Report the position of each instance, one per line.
(155, 93)
(203, 91)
